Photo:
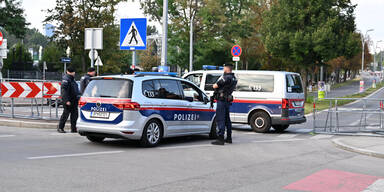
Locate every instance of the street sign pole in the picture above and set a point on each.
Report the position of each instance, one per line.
(165, 31)
(236, 65)
(133, 59)
(92, 58)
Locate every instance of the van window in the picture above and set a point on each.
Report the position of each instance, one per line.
(210, 80)
(255, 83)
(294, 84)
(195, 78)
(110, 88)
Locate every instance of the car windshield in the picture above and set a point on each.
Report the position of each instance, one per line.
(110, 88)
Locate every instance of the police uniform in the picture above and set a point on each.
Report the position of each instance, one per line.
(84, 82)
(223, 95)
(69, 92)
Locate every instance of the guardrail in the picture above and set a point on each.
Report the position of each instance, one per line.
(360, 115)
(30, 98)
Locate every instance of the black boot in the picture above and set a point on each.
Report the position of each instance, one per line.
(60, 130)
(219, 141)
(228, 139)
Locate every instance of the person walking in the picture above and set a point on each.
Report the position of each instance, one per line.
(86, 79)
(224, 87)
(70, 95)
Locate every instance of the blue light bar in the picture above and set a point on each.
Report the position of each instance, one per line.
(212, 67)
(173, 74)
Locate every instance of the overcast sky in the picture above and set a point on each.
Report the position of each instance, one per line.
(368, 14)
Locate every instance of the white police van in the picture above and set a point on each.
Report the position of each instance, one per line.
(261, 98)
(145, 107)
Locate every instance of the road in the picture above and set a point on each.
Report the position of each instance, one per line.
(43, 160)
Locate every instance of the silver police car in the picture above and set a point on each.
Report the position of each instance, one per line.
(146, 107)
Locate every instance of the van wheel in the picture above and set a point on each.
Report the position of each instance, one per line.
(95, 139)
(213, 133)
(280, 128)
(152, 133)
(260, 122)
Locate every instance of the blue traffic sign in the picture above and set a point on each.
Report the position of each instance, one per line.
(65, 60)
(133, 34)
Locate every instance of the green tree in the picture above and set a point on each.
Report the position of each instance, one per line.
(51, 55)
(74, 16)
(18, 58)
(12, 18)
(308, 32)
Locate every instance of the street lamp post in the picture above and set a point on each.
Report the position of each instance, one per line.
(165, 31)
(363, 39)
(374, 56)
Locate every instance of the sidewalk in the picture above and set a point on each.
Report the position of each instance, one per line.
(371, 146)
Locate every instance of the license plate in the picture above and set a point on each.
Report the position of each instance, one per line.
(101, 115)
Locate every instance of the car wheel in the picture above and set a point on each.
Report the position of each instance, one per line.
(260, 122)
(152, 133)
(95, 139)
(280, 128)
(214, 130)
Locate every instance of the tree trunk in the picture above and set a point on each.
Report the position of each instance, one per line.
(345, 75)
(304, 73)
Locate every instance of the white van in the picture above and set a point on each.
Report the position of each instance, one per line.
(261, 98)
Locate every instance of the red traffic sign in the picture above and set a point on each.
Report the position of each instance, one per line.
(1, 38)
(236, 51)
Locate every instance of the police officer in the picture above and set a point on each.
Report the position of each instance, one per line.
(87, 78)
(224, 87)
(70, 95)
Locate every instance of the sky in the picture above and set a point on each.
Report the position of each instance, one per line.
(368, 15)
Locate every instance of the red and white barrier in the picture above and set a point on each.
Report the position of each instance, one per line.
(30, 89)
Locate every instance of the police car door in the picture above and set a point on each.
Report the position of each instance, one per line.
(199, 114)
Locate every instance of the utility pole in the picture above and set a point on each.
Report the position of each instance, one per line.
(363, 39)
(165, 31)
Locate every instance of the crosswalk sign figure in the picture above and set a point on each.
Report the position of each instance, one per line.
(133, 34)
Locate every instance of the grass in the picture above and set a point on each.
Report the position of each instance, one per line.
(324, 104)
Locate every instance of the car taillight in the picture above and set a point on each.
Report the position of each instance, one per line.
(82, 103)
(128, 106)
(285, 104)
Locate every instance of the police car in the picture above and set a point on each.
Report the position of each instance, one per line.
(261, 98)
(146, 107)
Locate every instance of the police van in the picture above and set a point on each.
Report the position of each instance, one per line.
(146, 107)
(263, 99)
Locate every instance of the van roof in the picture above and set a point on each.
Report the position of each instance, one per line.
(245, 71)
(132, 77)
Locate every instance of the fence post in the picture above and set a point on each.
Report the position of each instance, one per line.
(337, 117)
(12, 107)
(314, 116)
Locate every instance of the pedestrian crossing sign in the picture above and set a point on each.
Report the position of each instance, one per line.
(133, 34)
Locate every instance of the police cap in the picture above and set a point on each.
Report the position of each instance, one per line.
(228, 65)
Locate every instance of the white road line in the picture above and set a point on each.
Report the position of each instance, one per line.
(321, 136)
(287, 135)
(74, 155)
(186, 146)
(66, 134)
(2, 136)
(250, 133)
(377, 186)
(303, 130)
(279, 140)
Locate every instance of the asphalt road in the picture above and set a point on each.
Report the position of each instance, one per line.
(43, 160)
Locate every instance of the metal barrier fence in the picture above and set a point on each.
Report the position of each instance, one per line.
(359, 115)
(30, 98)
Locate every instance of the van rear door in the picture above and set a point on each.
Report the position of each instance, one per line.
(294, 95)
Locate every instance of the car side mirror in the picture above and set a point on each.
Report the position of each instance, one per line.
(206, 100)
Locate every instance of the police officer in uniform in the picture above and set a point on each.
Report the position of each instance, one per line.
(87, 78)
(70, 95)
(224, 87)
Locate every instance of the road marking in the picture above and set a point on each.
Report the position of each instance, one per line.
(74, 155)
(251, 133)
(186, 146)
(287, 135)
(321, 136)
(2, 136)
(278, 140)
(60, 134)
(377, 186)
(302, 130)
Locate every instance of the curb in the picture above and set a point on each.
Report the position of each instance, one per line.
(346, 147)
(31, 124)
